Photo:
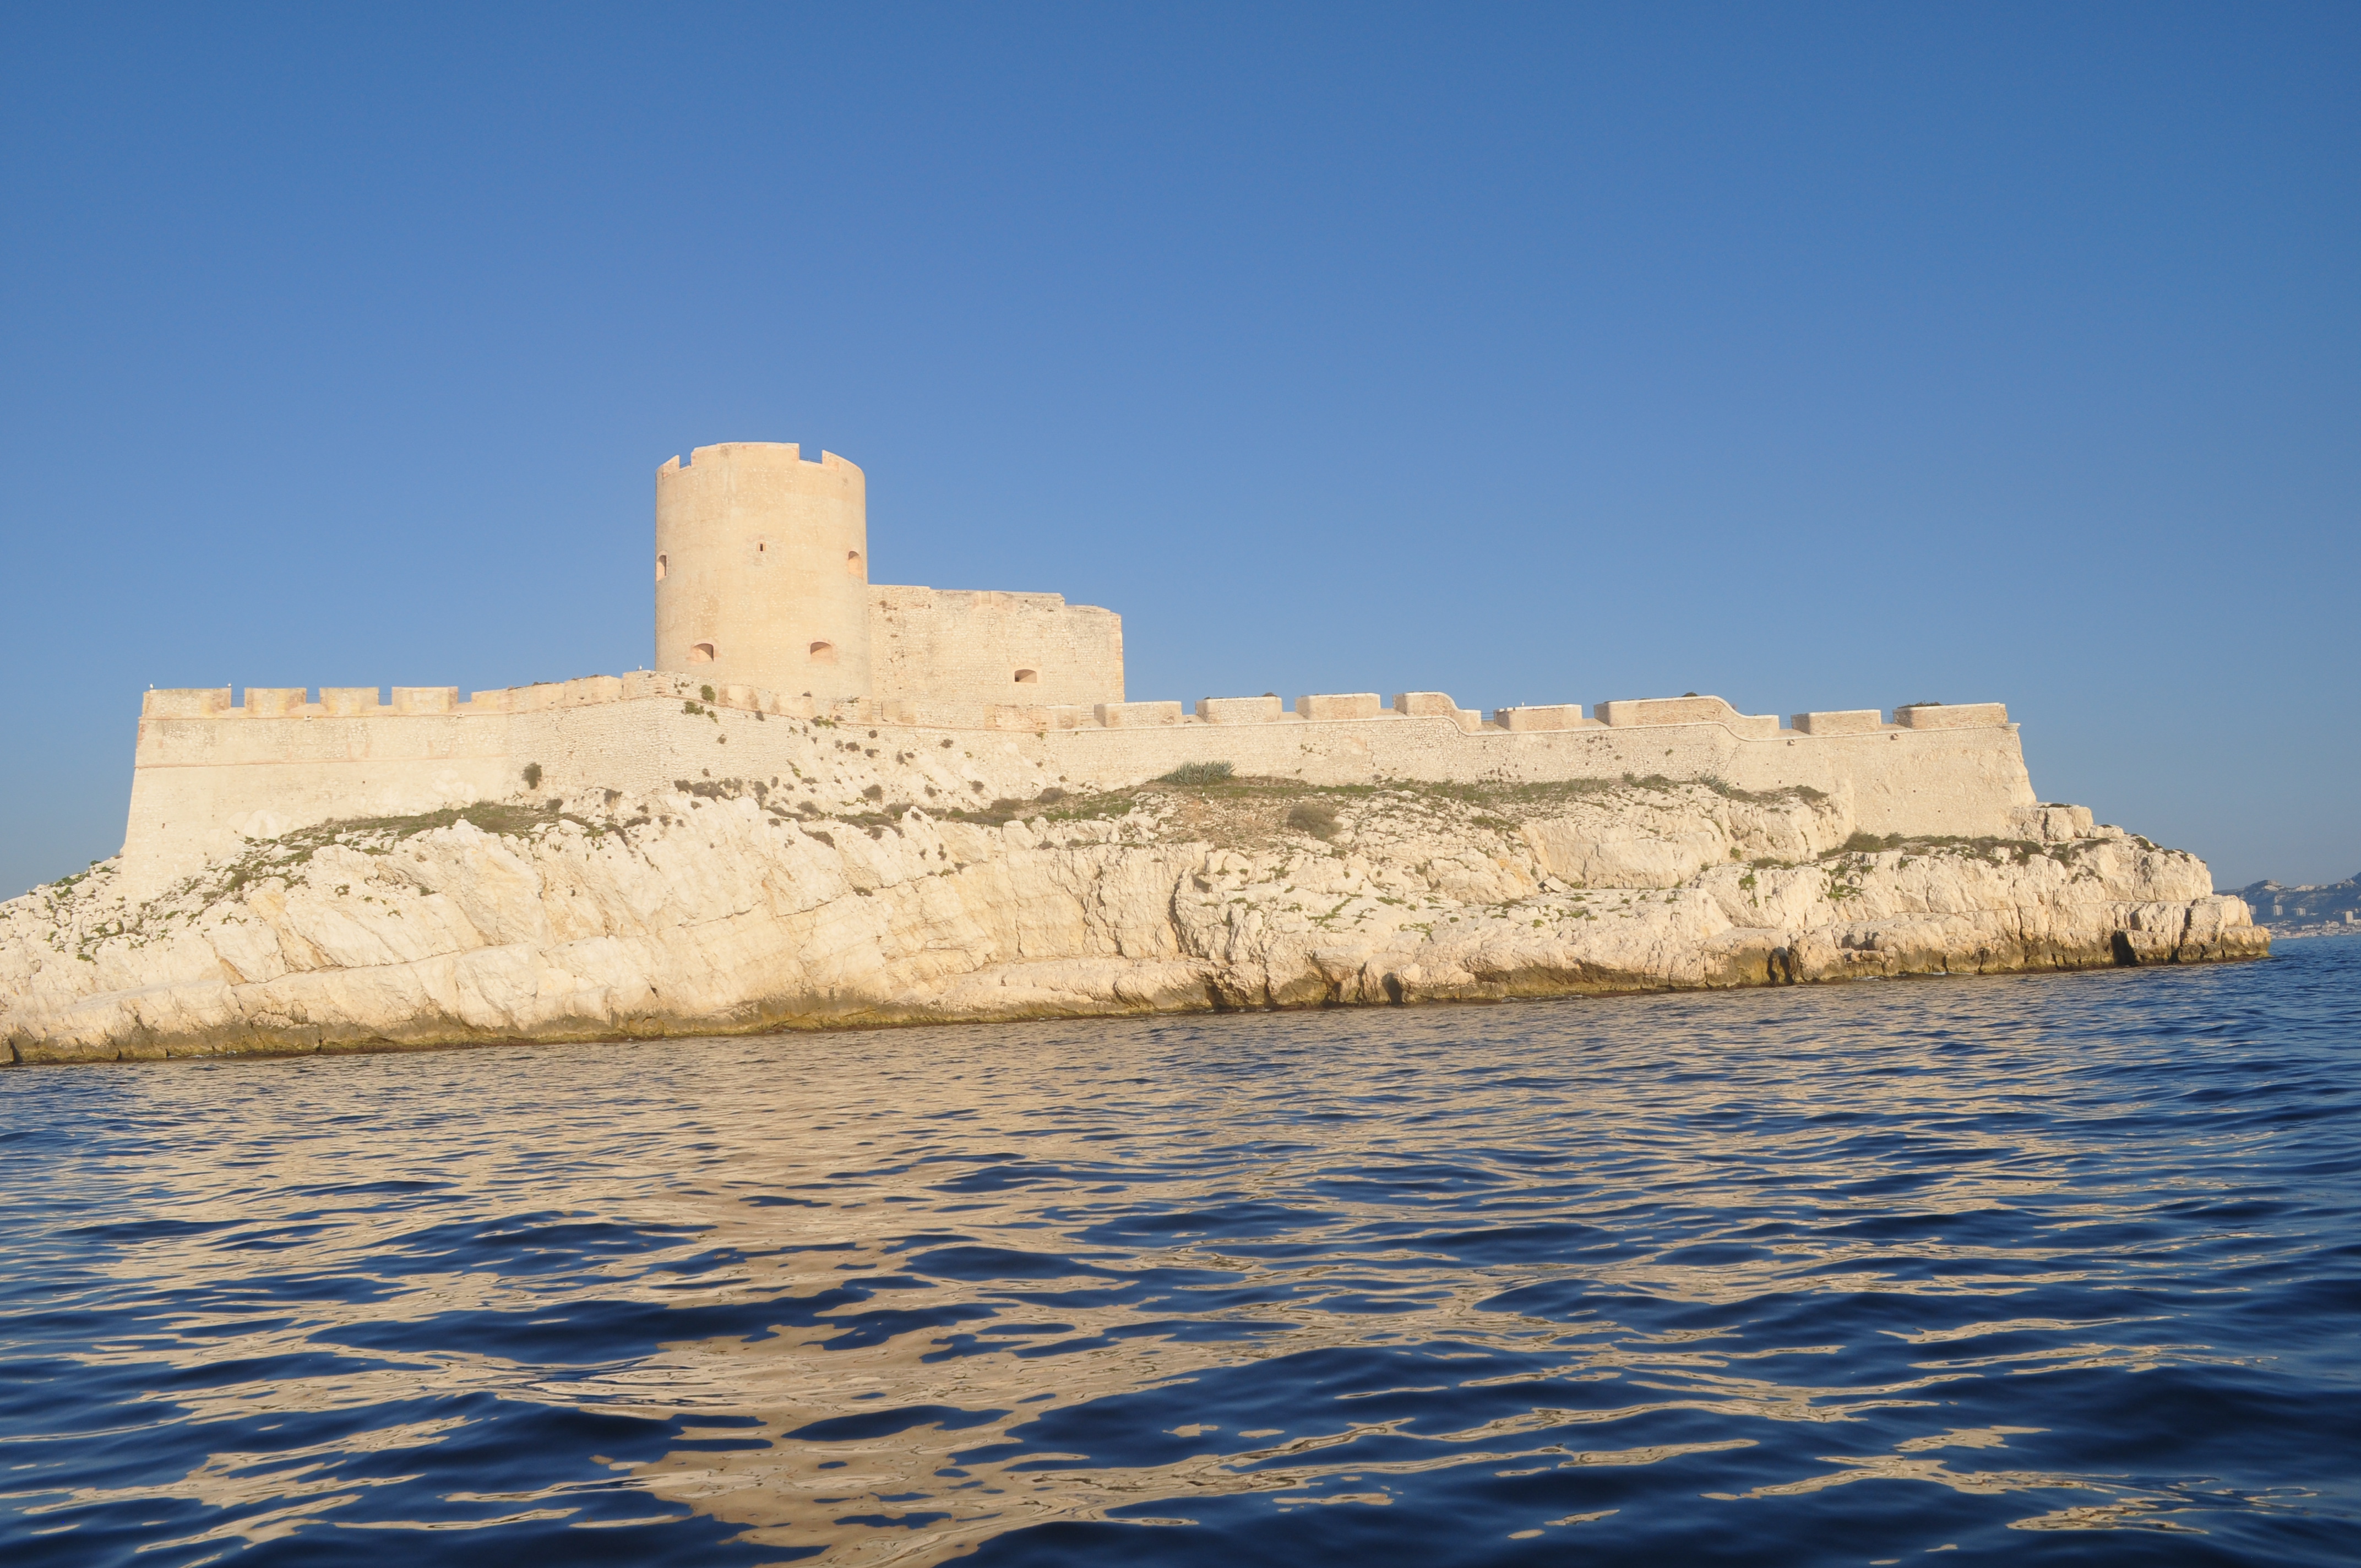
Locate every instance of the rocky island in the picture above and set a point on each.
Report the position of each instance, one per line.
(836, 804)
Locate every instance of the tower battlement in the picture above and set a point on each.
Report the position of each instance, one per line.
(776, 451)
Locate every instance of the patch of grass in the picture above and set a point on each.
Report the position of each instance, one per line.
(1998, 852)
(1241, 811)
(487, 816)
(1053, 804)
(1067, 807)
(1728, 790)
(284, 858)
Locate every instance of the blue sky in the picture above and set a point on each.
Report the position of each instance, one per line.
(1816, 356)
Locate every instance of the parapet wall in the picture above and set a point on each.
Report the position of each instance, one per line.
(211, 775)
(931, 644)
(959, 711)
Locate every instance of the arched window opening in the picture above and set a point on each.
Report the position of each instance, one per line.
(663, 565)
(852, 563)
(701, 652)
(823, 653)
(1028, 677)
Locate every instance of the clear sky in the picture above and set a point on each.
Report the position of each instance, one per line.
(1814, 356)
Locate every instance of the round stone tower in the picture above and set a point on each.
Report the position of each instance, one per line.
(762, 570)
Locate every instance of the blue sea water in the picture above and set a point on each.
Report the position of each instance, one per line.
(2048, 1269)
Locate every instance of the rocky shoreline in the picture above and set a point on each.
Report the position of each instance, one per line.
(718, 909)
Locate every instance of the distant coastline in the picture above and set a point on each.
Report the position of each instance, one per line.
(2310, 909)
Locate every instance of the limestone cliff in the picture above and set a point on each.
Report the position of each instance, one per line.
(717, 908)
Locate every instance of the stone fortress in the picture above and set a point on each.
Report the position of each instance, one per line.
(764, 613)
(837, 803)
(761, 573)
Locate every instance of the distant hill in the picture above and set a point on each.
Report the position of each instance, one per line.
(2306, 911)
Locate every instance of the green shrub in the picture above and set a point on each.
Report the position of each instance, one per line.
(532, 776)
(1198, 774)
(1316, 818)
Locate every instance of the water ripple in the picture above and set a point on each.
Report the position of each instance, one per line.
(2057, 1270)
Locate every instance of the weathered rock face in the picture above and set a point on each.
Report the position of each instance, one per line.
(717, 910)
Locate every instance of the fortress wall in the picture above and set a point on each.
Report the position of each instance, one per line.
(199, 787)
(210, 775)
(951, 646)
(1963, 781)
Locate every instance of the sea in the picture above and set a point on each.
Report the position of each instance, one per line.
(2038, 1269)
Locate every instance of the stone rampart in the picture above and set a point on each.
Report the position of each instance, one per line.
(212, 774)
(988, 647)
